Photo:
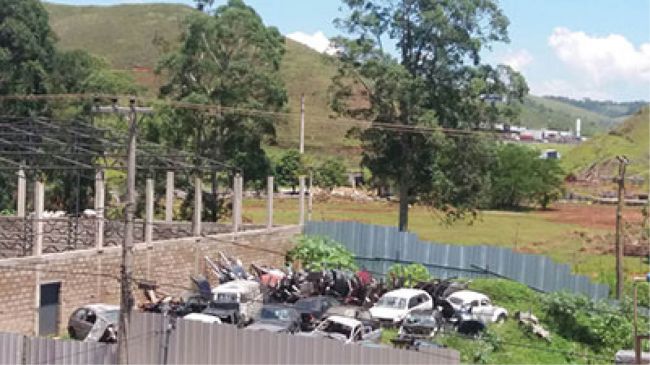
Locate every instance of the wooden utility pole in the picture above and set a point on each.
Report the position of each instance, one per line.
(302, 123)
(620, 180)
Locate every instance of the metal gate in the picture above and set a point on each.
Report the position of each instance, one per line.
(48, 311)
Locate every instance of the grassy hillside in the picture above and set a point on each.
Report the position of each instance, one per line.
(539, 112)
(124, 35)
(630, 139)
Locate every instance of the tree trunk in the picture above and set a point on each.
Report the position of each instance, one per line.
(403, 203)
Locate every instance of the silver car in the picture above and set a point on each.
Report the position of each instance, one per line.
(95, 323)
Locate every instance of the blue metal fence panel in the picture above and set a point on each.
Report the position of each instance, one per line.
(378, 247)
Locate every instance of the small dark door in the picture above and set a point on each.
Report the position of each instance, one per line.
(48, 312)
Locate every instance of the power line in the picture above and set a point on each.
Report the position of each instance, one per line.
(217, 109)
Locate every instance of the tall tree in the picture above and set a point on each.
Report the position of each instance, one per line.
(228, 59)
(26, 51)
(436, 81)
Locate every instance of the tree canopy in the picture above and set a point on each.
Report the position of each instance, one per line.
(227, 59)
(436, 80)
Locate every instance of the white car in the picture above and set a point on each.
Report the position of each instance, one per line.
(345, 329)
(203, 318)
(479, 305)
(395, 305)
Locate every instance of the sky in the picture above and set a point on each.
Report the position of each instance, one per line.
(598, 49)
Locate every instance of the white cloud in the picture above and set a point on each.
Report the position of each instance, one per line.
(518, 60)
(602, 59)
(317, 41)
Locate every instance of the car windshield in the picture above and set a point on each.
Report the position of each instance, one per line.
(276, 314)
(307, 305)
(455, 300)
(112, 316)
(392, 302)
(227, 297)
(335, 327)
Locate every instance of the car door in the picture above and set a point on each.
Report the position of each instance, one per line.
(81, 324)
(482, 310)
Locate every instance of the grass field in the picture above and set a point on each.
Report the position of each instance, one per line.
(528, 232)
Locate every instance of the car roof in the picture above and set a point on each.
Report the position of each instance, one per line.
(405, 293)
(101, 307)
(316, 298)
(468, 295)
(350, 322)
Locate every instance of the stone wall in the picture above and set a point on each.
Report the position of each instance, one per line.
(92, 276)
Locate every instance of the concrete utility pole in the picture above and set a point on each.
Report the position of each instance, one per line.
(169, 197)
(269, 202)
(301, 219)
(623, 161)
(126, 297)
(21, 195)
(302, 124)
(127, 247)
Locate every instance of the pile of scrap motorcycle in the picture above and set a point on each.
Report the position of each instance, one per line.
(337, 304)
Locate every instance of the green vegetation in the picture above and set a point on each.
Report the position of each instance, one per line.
(319, 253)
(573, 321)
(520, 176)
(607, 107)
(423, 89)
(412, 273)
(289, 168)
(137, 35)
(541, 112)
(330, 174)
(631, 138)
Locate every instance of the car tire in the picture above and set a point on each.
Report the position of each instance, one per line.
(501, 318)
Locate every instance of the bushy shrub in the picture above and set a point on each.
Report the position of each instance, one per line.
(411, 274)
(318, 253)
(598, 325)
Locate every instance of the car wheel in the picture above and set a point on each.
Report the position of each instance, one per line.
(501, 318)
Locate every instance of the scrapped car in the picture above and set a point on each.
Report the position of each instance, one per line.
(236, 302)
(420, 324)
(478, 305)
(311, 310)
(203, 318)
(393, 306)
(348, 311)
(277, 318)
(345, 329)
(94, 323)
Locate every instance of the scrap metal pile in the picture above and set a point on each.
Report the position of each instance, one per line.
(321, 303)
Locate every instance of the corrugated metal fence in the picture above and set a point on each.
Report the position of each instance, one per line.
(200, 343)
(191, 342)
(379, 247)
(19, 349)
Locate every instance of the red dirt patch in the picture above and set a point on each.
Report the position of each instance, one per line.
(591, 216)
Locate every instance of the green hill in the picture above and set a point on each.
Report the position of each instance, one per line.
(542, 112)
(124, 35)
(631, 139)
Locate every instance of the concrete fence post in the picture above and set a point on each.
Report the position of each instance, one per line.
(301, 219)
(169, 197)
(99, 209)
(235, 204)
(39, 206)
(240, 201)
(21, 194)
(269, 202)
(198, 206)
(148, 215)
